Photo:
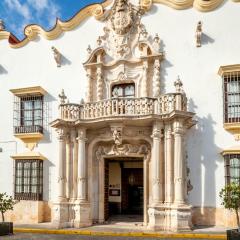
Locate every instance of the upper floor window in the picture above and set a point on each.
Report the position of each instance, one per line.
(28, 179)
(232, 168)
(231, 87)
(31, 114)
(28, 110)
(123, 90)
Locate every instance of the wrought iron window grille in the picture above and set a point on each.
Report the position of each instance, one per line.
(28, 114)
(232, 168)
(28, 184)
(231, 96)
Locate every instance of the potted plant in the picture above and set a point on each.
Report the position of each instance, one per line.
(230, 196)
(6, 203)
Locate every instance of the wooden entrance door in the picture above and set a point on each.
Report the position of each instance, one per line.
(132, 191)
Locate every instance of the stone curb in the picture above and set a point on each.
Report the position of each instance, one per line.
(122, 234)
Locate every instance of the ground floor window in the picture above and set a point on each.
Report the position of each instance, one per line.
(232, 168)
(28, 179)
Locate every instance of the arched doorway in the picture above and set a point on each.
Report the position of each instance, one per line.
(123, 178)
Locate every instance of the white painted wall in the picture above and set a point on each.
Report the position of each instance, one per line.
(34, 65)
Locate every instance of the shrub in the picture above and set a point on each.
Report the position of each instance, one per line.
(6, 203)
(230, 196)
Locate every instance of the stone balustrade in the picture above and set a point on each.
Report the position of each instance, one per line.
(123, 107)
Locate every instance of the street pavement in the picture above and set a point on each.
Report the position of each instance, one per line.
(31, 236)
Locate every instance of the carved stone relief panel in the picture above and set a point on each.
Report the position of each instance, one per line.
(125, 53)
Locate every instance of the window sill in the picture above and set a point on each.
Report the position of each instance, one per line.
(30, 139)
(233, 128)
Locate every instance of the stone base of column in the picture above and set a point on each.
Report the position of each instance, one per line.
(180, 218)
(60, 215)
(156, 216)
(170, 218)
(82, 215)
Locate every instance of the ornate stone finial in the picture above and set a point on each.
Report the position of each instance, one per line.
(2, 26)
(62, 97)
(143, 36)
(82, 101)
(156, 43)
(89, 50)
(57, 56)
(156, 38)
(198, 34)
(178, 85)
(99, 41)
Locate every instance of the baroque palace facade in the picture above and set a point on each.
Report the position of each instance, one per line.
(145, 101)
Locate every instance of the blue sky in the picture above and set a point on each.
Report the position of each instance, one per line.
(16, 14)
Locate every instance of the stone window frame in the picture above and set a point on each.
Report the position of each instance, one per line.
(124, 86)
(30, 134)
(230, 72)
(231, 97)
(28, 179)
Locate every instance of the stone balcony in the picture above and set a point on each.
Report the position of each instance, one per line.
(124, 108)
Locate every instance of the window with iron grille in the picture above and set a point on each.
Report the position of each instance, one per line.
(28, 180)
(232, 168)
(231, 97)
(28, 114)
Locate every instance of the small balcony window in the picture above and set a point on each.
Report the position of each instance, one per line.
(28, 110)
(123, 90)
(232, 168)
(28, 180)
(231, 89)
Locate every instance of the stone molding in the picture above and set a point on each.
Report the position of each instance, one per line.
(126, 150)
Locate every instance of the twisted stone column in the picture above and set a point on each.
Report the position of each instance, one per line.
(169, 167)
(68, 166)
(156, 79)
(82, 171)
(89, 86)
(99, 84)
(74, 165)
(179, 162)
(157, 164)
(144, 87)
(62, 166)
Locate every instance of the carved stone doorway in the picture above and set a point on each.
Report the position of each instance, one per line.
(123, 188)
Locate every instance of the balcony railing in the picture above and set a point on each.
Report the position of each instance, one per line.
(28, 129)
(123, 107)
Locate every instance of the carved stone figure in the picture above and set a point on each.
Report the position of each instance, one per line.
(178, 85)
(62, 97)
(198, 34)
(117, 137)
(57, 56)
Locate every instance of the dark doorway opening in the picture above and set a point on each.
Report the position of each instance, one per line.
(124, 191)
(132, 191)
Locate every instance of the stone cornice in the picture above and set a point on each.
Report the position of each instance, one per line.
(228, 69)
(231, 150)
(29, 155)
(28, 91)
(97, 10)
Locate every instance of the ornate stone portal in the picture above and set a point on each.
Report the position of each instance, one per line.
(136, 120)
